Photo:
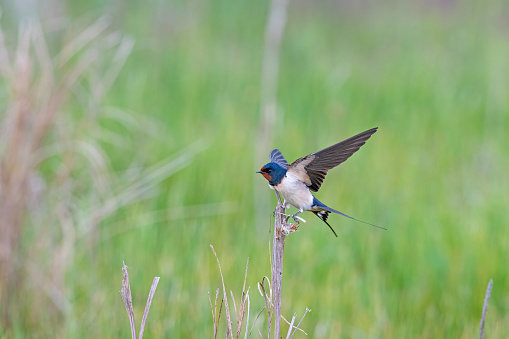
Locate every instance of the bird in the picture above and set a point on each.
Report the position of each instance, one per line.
(295, 181)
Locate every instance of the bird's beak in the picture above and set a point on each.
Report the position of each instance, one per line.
(258, 171)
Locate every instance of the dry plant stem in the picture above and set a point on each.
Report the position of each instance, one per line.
(273, 35)
(147, 306)
(125, 293)
(37, 87)
(290, 328)
(229, 332)
(215, 315)
(247, 320)
(252, 327)
(298, 325)
(274, 28)
(485, 309)
(268, 305)
(278, 247)
(241, 312)
(128, 300)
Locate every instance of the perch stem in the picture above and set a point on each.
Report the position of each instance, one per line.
(277, 266)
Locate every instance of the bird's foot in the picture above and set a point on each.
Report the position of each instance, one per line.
(286, 226)
(295, 217)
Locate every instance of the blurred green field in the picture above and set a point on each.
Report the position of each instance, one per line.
(432, 75)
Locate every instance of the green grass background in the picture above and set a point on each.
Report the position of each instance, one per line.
(432, 75)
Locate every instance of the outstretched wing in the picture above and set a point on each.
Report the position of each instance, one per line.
(313, 168)
(278, 158)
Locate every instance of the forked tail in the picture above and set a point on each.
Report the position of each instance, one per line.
(327, 208)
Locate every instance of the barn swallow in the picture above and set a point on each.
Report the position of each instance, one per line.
(295, 181)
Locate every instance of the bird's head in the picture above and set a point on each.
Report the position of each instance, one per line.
(272, 172)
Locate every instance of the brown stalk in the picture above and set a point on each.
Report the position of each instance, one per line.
(37, 93)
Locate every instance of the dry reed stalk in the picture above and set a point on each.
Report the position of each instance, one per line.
(215, 315)
(125, 293)
(270, 300)
(268, 303)
(268, 89)
(34, 99)
(281, 229)
(485, 309)
(240, 313)
(38, 87)
(43, 87)
(295, 328)
(229, 331)
(278, 248)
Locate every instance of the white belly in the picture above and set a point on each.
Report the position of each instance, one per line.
(295, 192)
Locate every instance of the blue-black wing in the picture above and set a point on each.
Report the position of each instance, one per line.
(313, 168)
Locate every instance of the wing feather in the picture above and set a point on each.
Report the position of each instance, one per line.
(313, 168)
